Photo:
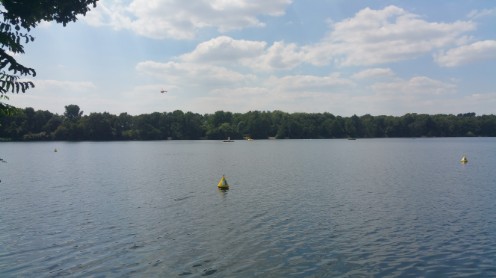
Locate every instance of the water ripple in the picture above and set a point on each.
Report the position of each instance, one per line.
(323, 208)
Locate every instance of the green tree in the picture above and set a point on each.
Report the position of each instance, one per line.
(98, 126)
(488, 125)
(219, 125)
(73, 113)
(220, 117)
(193, 126)
(124, 127)
(147, 127)
(259, 124)
(353, 126)
(52, 124)
(337, 128)
(13, 125)
(28, 124)
(35, 123)
(177, 124)
(280, 124)
(18, 19)
(71, 128)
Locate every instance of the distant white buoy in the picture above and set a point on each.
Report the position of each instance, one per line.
(464, 159)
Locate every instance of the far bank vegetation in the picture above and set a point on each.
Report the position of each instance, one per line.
(30, 125)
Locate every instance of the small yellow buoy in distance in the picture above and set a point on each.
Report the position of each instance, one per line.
(464, 159)
(223, 183)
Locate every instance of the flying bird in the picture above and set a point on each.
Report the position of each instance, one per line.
(163, 91)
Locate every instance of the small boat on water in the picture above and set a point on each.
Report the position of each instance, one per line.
(223, 183)
(228, 140)
(464, 159)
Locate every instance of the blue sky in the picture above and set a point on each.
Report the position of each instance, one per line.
(339, 56)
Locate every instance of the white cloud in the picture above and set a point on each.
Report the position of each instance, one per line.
(476, 14)
(178, 19)
(370, 37)
(223, 73)
(481, 50)
(223, 87)
(279, 56)
(252, 54)
(481, 103)
(239, 99)
(373, 73)
(217, 78)
(381, 36)
(66, 86)
(415, 85)
(53, 95)
(419, 94)
(44, 24)
(488, 98)
(224, 49)
(308, 83)
(274, 94)
(111, 13)
(191, 74)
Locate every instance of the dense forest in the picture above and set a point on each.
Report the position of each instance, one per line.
(30, 125)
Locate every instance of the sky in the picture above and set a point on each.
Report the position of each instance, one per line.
(344, 57)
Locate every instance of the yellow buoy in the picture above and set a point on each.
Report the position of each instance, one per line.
(223, 183)
(464, 159)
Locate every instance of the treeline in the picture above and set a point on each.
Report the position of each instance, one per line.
(30, 125)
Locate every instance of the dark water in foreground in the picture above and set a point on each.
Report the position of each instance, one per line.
(301, 208)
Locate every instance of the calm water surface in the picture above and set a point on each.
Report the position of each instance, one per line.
(301, 208)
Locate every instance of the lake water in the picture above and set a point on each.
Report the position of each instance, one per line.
(301, 208)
